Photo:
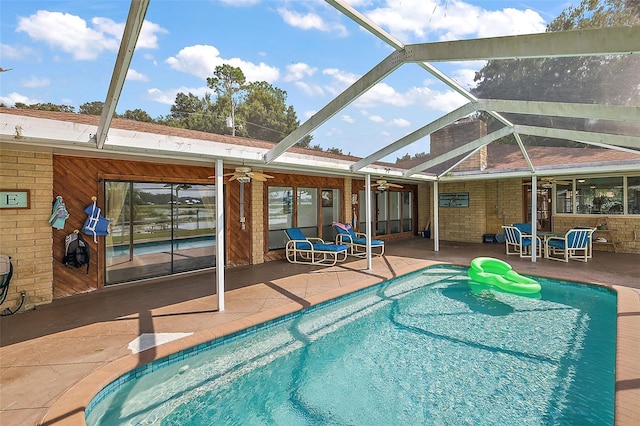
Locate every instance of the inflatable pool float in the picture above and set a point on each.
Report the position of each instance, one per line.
(495, 272)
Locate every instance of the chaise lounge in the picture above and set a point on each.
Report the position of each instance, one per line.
(313, 251)
(356, 241)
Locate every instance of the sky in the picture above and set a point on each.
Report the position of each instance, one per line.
(64, 51)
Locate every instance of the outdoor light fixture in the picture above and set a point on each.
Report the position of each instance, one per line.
(581, 180)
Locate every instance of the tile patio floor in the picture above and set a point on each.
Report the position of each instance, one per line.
(55, 358)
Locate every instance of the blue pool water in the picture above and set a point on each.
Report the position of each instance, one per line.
(421, 349)
(163, 246)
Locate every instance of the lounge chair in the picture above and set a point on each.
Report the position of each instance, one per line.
(576, 244)
(519, 243)
(314, 251)
(356, 241)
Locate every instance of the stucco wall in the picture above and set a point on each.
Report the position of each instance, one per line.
(26, 233)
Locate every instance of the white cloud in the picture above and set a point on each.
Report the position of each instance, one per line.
(340, 80)
(67, 32)
(400, 122)
(13, 97)
(348, 119)
(311, 21)
(309, 89)
(36, 82)
(438, 101)
(334, 131)
(12, 52)
(134, 75)
(299, 71)
(426, 20)
(376, 119)
(168, 96)
(148, 38)
(71, 34)
(382, 93)
(201, 60)
(464, 77)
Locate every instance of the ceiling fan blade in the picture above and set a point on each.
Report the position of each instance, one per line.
(260, 176)
(234, 177)
(394, 185)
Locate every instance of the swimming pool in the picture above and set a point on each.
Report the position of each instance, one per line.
(421, 349)
(162, 246)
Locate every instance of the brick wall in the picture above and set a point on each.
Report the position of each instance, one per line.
(624, 230)
(456, 135)
(26, 234)
(462, 223)
(257, 226)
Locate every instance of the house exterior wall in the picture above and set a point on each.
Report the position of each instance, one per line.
(623, 230)
(26, 233)
(257, 213)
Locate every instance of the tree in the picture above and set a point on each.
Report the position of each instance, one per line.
(91, 108)
(611, 79)
(46, 107)
(137, 115)
(229, 84)
(191, 112)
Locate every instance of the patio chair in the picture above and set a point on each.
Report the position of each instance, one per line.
(310, 250)
(356, 241)
(576, 244)
(517, 242)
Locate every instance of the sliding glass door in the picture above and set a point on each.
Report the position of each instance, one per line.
(158, 229)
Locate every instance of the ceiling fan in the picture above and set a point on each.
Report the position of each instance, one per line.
(244, 175)
(547, 182)
(383, 185)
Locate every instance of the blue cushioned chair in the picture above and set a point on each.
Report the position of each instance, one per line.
(576, 244)
(517, 242)
(314, 251)
(357, 241)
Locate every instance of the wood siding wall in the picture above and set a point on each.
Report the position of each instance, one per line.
(77, 179)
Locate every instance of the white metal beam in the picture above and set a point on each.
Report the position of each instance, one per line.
(220, 231)
(438, 123)
(133, 26)
(585, 42)
(580, 136)
(377, 73)
(562, 109)
(460, 150)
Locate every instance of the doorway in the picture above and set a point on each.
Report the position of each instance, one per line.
(543, 212)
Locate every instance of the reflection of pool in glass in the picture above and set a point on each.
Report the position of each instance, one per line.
(162, 246)
(420, 349)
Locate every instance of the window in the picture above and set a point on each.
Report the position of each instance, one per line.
(280, 215)
(599, 196)
(392, 212)
(633, 195)
(158, 229)
(313, 210)
(613, 195)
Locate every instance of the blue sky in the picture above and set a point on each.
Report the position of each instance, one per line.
(63, 52)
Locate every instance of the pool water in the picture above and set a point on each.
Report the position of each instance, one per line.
(421, 349)
(162, 246)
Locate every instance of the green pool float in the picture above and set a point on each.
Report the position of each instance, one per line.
(495, 272)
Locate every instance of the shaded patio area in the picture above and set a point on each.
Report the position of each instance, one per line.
(55, 358)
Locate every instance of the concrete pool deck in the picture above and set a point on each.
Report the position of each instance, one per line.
(56, 358)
